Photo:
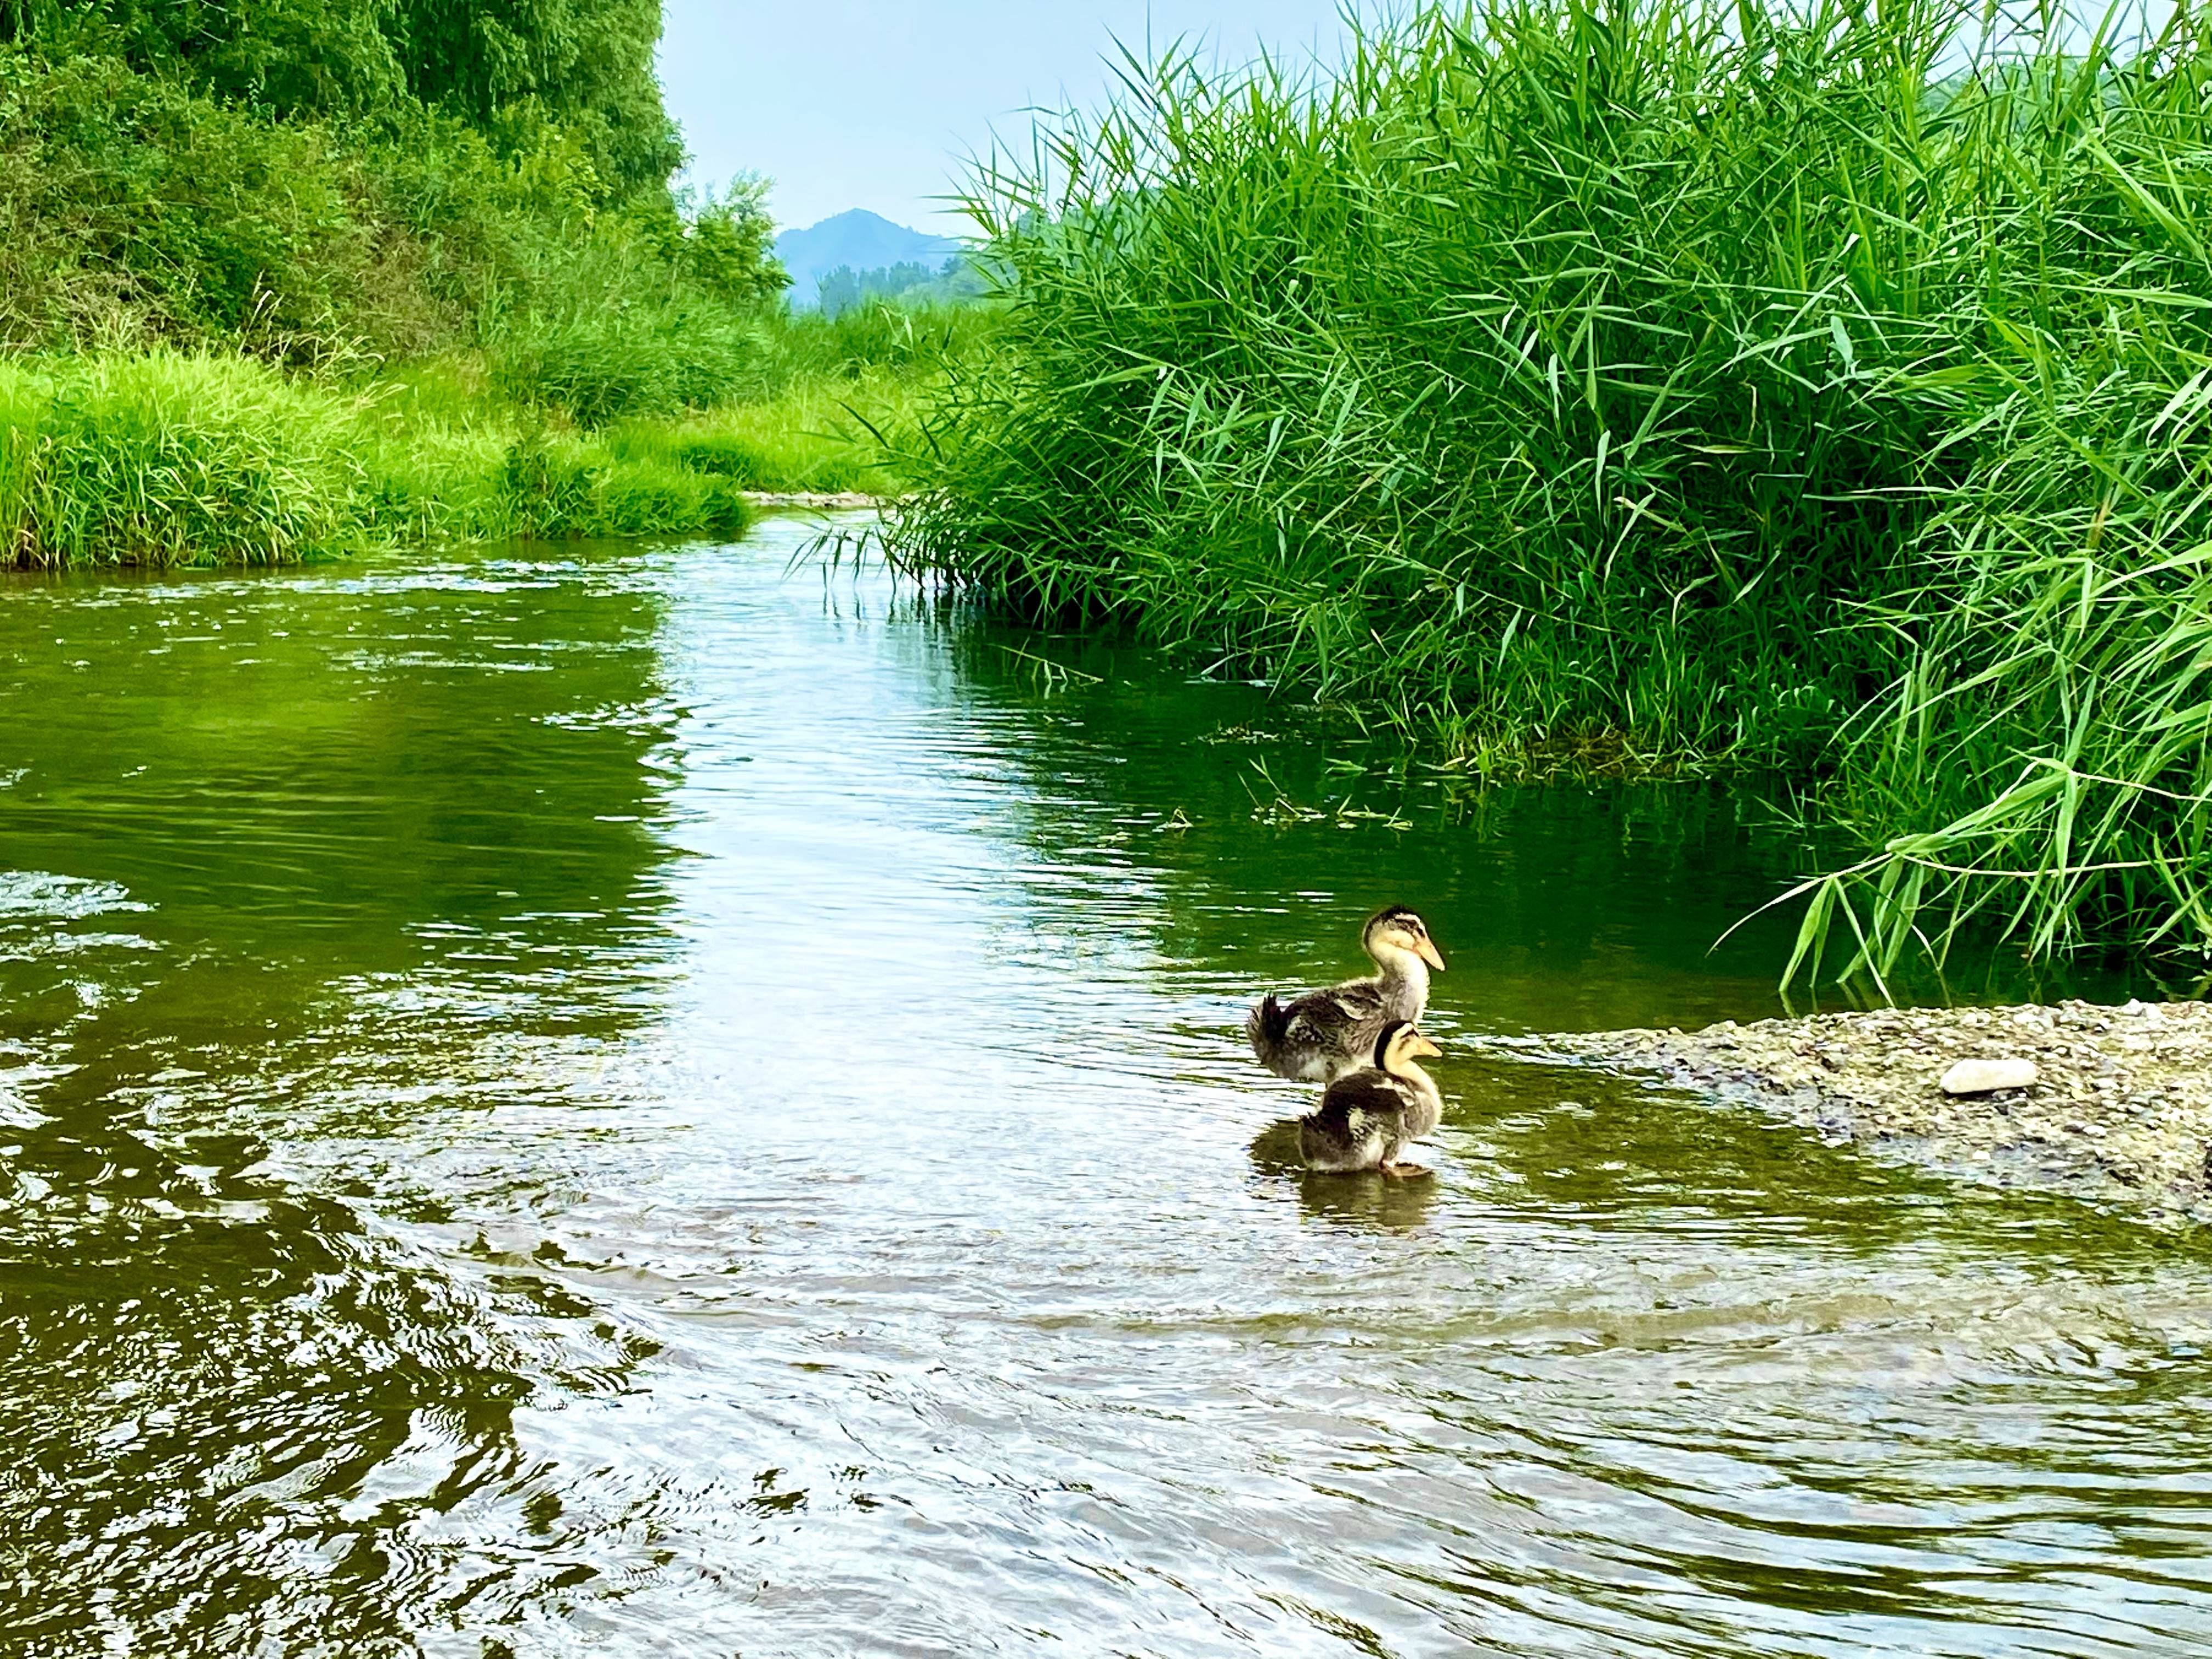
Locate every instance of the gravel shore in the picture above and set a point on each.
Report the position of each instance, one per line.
(2120, 1111)
(831, 501)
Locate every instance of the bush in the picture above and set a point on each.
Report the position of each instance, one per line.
(140, 210)
(585, 64)
(631, 361)
(876, 334)
(459, 243)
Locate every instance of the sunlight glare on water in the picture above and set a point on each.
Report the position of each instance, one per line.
(620, 1100)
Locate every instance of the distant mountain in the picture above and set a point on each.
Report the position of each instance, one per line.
(858, 238)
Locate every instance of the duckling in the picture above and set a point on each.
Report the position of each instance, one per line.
(1366, 1119)
(1323, 1035)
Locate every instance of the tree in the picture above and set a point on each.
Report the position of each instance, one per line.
(586, 64)
(726, 244)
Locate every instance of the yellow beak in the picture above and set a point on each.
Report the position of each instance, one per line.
(1423, 1047)
(1428, 952)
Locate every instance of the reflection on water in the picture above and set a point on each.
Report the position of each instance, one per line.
(1365, 1199)
(617, 1101)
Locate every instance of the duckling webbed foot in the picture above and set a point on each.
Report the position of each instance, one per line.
(1403, 1171)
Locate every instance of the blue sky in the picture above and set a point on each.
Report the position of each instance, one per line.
(867, 103)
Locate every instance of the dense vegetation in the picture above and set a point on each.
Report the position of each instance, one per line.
(311, 180)
(908, 281)
(588, 66)
(1649, 382)
(280, 277)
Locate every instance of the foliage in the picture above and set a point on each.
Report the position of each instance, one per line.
(816, 433)
(159, 460)
(643, 360)
(140, 209)
(555, 485)
(907, 339)
(161, 457)
(585, 64)
(727, 245)
(282, 281)
(597, 359)
(955, 282)
(844, 288)
(135, 207)
(1746, 384)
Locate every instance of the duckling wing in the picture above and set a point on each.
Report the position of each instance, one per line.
(1358, 1121)
(1320, 1036)
(1367, 1096)
(1343, 1019)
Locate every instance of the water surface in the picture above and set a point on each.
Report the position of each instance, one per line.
(624, 1101)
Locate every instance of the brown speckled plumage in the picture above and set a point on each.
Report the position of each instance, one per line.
(1367, 1118)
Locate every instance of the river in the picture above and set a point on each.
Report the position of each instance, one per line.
(628, 1100)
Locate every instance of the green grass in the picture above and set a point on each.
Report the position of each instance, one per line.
(597, 361)
(167, 457)
(164, 458)
(817, 433)
(599, 368)
(150, 459)
(1673, 384)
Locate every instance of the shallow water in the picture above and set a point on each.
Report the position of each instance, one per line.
(621, 1101)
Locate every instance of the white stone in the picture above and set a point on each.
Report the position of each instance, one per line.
(1983, 1077)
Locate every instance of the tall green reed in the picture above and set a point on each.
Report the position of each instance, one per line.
(1760, 384)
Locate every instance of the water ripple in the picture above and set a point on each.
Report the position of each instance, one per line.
(735, 1140)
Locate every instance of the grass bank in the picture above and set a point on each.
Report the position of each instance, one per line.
(1755, 385)
(164, 456)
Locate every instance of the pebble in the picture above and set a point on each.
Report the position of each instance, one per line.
(1986, 1077)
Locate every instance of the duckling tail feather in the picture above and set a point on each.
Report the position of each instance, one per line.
(1267, 1025)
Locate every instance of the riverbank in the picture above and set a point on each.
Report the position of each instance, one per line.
(2118, 1111)
(173, 458)
(843, 501)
